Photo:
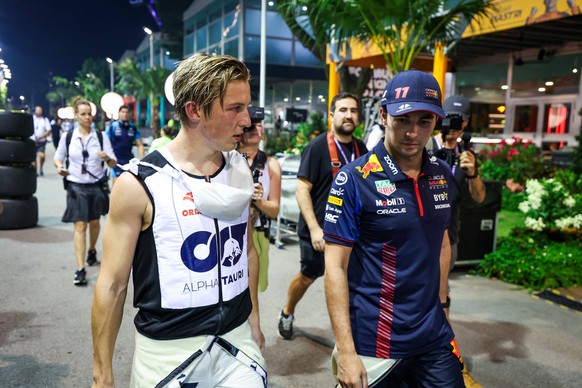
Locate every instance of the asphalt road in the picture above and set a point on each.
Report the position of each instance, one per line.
(508, 338)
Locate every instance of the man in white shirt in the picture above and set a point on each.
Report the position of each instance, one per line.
(42, 130)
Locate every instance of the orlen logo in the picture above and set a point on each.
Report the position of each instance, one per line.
(188, 197)
(341, 178)
(189, 212)
(199, 253)
(390, 202)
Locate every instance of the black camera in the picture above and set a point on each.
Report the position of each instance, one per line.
(257, 114)
(455, 123)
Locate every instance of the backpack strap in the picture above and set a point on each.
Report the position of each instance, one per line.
(332, 146)
(68, 143)
(335, 163)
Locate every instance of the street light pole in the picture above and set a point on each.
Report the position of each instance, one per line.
(151, 34)
(110, 61)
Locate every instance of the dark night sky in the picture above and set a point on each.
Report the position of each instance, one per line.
(39, 37)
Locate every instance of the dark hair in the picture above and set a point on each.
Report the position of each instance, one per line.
(124, 107)
(168, 131)
(341, 96)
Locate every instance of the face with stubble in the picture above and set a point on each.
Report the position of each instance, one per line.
(345, 116)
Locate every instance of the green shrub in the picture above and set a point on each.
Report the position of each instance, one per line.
(510, 200)
(516, 159)
(535, 260)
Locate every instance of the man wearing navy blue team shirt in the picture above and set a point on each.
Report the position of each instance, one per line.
(123, 134)
(386, 246)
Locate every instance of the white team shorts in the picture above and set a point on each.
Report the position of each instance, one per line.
(231, 360)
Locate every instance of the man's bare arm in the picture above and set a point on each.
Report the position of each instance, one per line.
(445, 265)
(307, 211)
(270, 206)
(476, 185)
(129, 205)
(253, 258)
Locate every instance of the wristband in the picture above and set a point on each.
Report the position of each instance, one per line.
(447, 304)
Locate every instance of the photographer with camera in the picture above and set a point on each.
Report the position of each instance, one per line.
(460, 156)
(463, 161)
(267, 194)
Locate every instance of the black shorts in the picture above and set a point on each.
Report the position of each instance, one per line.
(40, 147)
(312, 261)
(437, 368)
(85, 203)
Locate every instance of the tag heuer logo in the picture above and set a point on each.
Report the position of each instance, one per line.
(385, 187)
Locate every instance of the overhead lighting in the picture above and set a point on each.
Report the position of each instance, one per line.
(504, 87)
(297, 98)
(285, 99)
(549, 83)
(574, 70)
(147, 30)
(542, 89)
(109, 60)
(271, 3)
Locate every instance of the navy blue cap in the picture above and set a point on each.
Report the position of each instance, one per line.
(412, 91)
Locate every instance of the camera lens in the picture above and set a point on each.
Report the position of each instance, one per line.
(247, 129)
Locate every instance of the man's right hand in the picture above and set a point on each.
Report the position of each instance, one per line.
(351, 372)
(317, 239)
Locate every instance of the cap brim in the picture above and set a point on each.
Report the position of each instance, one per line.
(463, 115)
(403, 108)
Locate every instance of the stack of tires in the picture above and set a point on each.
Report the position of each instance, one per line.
(18, 205)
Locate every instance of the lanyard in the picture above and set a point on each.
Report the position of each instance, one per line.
(454, 168)
(341, 149)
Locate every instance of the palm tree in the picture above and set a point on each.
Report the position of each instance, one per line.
(400, 28)
(315, 38)
(143, 84)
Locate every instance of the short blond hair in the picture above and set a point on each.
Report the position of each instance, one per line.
(203, 78)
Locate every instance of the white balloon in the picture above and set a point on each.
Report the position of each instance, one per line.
(168, 88)
(110, 103)
(93, 108)
(67, 113)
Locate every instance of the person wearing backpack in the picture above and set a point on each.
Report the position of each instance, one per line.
(267, 194)
(82, 158)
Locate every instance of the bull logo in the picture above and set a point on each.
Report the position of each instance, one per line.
(372, 165)
(199, 252)
(232, 252)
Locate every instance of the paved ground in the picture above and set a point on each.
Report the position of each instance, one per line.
(508, 338)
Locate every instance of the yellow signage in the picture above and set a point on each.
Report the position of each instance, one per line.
(507, 14)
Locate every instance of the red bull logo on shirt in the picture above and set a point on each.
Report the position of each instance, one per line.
(372, 165)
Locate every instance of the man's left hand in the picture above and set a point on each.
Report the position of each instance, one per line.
(467, 162)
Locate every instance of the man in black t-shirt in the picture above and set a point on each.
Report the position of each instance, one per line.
(313, 188)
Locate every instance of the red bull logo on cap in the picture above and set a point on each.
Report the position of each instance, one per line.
(372, 165)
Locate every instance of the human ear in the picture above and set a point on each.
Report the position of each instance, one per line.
(192, 110)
